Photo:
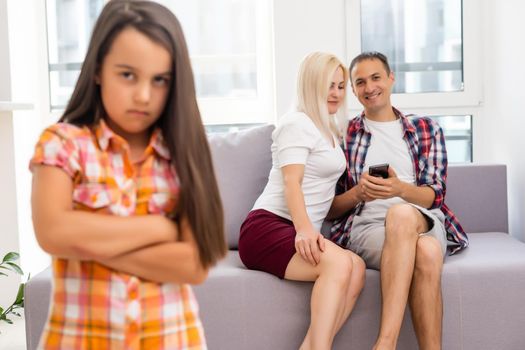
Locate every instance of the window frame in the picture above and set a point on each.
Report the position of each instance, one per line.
(471, 96)
(237, 110)
(249, 110)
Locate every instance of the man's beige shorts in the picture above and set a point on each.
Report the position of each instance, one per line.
(368, 235)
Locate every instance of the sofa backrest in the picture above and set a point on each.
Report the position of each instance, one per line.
(242, 162)
(477, 194)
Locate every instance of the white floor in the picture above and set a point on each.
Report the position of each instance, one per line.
(13, 336)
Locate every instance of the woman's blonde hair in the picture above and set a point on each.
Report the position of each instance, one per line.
(313, 82)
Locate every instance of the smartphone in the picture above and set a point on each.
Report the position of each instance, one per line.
(379, 170)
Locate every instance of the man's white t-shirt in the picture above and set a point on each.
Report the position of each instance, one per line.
(298, 141)
(387, 145)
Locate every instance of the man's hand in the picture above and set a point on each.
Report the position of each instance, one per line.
(309, 244)
(372, 187)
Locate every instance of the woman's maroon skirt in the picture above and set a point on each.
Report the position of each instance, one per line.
(267, 242)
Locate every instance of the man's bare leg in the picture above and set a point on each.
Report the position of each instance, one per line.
(425, 299)
(403, 224)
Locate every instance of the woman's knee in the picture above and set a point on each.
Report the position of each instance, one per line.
(337, 263)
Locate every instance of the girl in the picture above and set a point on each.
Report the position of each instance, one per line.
(130, 144)
(281, 233)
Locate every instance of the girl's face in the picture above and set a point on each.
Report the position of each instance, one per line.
(134, 82)
(336, 93)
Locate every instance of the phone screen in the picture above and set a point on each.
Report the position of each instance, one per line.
(379, 170)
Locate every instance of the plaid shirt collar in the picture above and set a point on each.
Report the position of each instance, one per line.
(408, 126)
(360, 127)
(106, 137)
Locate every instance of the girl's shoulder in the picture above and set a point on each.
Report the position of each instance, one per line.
(67, 133)
(62, 145)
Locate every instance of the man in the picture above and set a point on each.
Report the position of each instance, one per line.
(399, 224)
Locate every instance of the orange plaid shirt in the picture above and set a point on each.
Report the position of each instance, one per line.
(93, 306)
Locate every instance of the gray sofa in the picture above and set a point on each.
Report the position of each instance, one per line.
(483, 286)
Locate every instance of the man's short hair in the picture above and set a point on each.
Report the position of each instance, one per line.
(370, 55)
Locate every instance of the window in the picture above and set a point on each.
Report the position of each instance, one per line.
(425, 42)
(422, 40)
(69, 24)
(432, 48)
(229, 43)
(458, 137)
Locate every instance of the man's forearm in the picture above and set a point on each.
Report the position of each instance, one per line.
(419, 195)
(343, 203)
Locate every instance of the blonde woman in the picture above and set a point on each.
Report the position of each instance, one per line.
(281, 235)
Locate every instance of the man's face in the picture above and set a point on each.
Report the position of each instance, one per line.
(372, 85)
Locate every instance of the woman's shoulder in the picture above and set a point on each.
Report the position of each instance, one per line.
(297, 121)
(296, 127)
(295, 117)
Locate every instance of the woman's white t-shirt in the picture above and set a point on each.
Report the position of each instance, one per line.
(298, 141)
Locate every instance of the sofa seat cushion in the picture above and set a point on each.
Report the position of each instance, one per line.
(485, 280)
(490, 250)
(490, 277)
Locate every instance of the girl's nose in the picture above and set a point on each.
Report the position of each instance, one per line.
(143, 93)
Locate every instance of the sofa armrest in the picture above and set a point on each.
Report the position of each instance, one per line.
(477, 194)
(37, 296)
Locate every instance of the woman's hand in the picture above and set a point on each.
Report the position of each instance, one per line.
(309, 244)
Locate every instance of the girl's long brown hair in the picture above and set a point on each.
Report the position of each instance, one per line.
(180, 121)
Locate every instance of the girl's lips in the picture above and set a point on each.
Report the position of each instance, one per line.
(139, 113)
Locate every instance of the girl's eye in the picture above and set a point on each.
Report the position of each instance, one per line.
(161, 81)
(127, 75)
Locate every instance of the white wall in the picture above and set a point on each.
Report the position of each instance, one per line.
(8, 217)
(27, 62)
(5, 77)
(300, 27)
(502, 128)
